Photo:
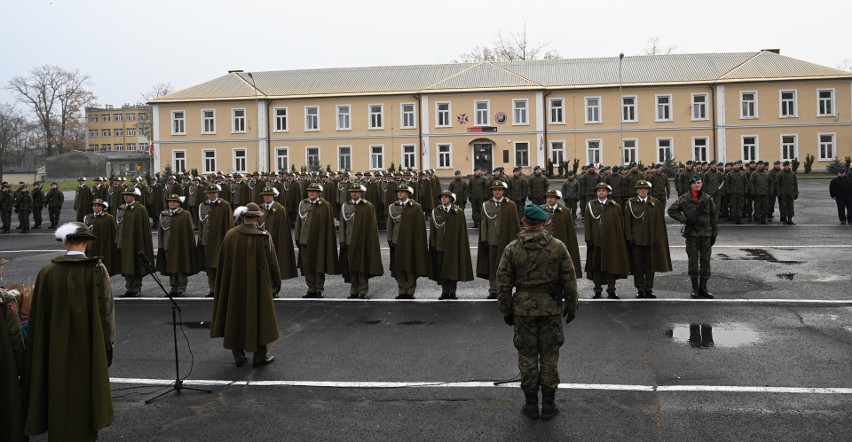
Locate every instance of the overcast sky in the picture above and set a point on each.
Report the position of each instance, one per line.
(128, 46)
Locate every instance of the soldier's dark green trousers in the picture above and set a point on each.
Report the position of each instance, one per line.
(698, 251)
(537, 339)
(736, 206)
(785, 205)
(475, 210)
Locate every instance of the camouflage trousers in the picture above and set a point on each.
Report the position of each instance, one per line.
(6, 217)
(475, 209)
(698, 251)
(724, 211)
(785, 205)
(537, 339)
(737, 203)
(761, 207)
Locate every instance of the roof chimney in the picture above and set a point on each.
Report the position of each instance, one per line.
(777, 51)
(235, 71)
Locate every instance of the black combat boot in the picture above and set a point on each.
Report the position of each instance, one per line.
(783, 220)
(790, 221)
(649, 294)
(530, 407)
(702, 290)
(548, 403)
(695, 290)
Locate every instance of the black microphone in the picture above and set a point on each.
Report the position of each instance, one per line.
(141, 254)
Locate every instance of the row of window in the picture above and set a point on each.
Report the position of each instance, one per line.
(118, 147)
(105, 118)
(130, 132)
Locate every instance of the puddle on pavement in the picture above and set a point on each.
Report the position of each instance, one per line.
(414, 323)
(713, 335)
(763, 255)
(787, 276)
(194, 324)
(366, 322)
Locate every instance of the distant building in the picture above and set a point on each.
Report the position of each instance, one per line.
(114, 129)
(701, 107)
(27, 174)
(71, 165)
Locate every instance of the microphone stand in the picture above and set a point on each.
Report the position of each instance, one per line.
(178, 385)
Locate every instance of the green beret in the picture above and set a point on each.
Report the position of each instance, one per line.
(534, 213)
(694, 179)
(786, 163)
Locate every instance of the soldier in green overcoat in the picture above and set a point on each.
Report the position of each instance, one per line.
(449, 246)
(358, 234)
(647, 239)
(246, 281)
(133, 236)
(316, 240)
(606, 253)
(560, 224)
(70, 343)
(214, 220)
(409, 251)
(499, 226)
(103, 226)
(276, 222)
(177, 256)
(82, 199)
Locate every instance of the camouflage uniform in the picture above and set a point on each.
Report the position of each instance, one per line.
(538, 186)
(571, 194)
(54, 200)
(532, 263)
(23, 207)
(518, 191)
(788, 190)
(735, 185)
(38, 204)
(700, 233)
(660, 188)
(477, 188)
(760, 186)
(459, 187)
(6, 202)
(712, 180)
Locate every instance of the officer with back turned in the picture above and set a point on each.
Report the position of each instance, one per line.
(540, 268)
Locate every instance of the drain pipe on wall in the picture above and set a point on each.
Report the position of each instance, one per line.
(419, 130)
(713, 122)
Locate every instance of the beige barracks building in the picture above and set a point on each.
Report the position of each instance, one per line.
(714, 106)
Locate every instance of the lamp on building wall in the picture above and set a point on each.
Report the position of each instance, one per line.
(621, 111)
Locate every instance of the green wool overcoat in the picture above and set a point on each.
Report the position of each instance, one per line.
(103, 226)
(135, 238)
(179, 255)
(661, 260)
(66, 378)
(362, 254)
(321, 250)
(219, 221)
(561, 225)
(276, 222)
(412, 250)
(247, 275)
(457, 263)
(510, 225)
(614, 249)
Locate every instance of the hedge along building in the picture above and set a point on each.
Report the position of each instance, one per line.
(714, 106)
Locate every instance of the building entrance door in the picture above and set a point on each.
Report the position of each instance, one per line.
(483, 156)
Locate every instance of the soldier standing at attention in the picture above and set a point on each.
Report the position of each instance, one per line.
(458, 187)
(683, 179)
(606, 253)
(114, 193)
(133, 236)
(697, 211)
(498, 228)
(177, 255)
(316, 240)
(360, 257)
(571, 194)
(660, 188)
(156, 200)
(538, 186)
(478, 188)
(560, 224)
(735, 186)
(38, 204)
(713, 178)
(53, 201)
(7, 201)
(247, 280)
(449, 246)
(23, 207)
(647, 239)
(539, 267)
(518, 190)
(409, 251)
(103, 246)
(276, 222)
(590, 180)
(788, 191)
(82, 199)
(214, 220)
(773, 173)
(70, 344)
(840, 190)
(760, 184)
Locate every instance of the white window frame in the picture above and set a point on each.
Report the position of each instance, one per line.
(205, 159)
(554, 149)
(743, 145)
(309, 117)
(119, 147)
(412, 155)
(444, 156)
(178, 123)
(236, 121)
(666, 108)
(279, 156)
(205, 120)
(482, 117)
(408, 115)
(346, 117)
(131, 146)
(308, 157)
(244, 158)
(702, 106)
(635, 149)
(118, 117)
(558, 110)
(340, 164)
(176, 161)
(374, 164)
(106, 147)
(376, 120)
(281, 119)
(833, 111)
(118, 132)
(633, 108)
(93, 133)
(131, 117)
(131, 131)
(706, 149)
(820, 145)
(520, 115)
(93, 119)
(754, 105)
(596, 110)
(598, 149)
(105, 118)
(794, 101)
(448, 112)
(106, 132)
(528, 161)
(660, 157)
(795, 147)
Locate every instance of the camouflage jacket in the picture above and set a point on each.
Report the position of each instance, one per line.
(24, 202)
(459, 187)
(531, 263)
(736, 182)
(760, 183)
(703, 224)
(787, 183)
(538, 186)
(55, 198)
(518, 188)
(477, 188)
(571, 190)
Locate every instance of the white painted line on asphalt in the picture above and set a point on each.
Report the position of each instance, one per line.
(435, 300)
(481, 384)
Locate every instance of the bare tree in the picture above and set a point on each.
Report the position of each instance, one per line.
(845, 65)
(146, 126)
(655, 48)
(13, 142)
(509, 46)
(58, 98)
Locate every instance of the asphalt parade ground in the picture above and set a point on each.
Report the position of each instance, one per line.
(769, 358)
